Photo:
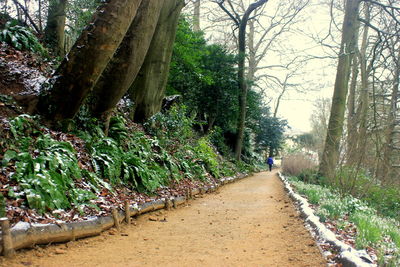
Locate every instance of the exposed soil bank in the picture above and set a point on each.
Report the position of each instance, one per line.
(248, 223)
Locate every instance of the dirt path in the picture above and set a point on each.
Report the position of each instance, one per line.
(248, 223)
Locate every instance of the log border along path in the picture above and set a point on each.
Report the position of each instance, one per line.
(249, 223)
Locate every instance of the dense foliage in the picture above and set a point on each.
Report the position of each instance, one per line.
(20, 37)
(206, 76)
(46, 167)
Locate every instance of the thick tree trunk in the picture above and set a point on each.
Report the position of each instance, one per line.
(147, 91)
(81, 69)
(330, 156)
(122, 70)
(54, 31)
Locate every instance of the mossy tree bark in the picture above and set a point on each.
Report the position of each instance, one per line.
(330, 155)
(122, 70)
(54, 31)
(79, 72)
(148, 89)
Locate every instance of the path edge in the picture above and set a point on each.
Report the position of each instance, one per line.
(27, 235)
(349, 256)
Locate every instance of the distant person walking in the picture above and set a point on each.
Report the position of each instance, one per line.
(270, 162)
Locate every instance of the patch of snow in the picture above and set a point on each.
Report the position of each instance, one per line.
(31, 78)
(349, 256)
(21, 226)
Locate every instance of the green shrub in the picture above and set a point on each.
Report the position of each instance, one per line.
(218, 140)
(172, 128)
(130, 158)
(385, 199)
(206, 154)
(45, 168)
(21, 38)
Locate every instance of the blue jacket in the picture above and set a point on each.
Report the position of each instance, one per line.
(270, 161)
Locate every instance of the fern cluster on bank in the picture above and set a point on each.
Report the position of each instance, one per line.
(45, 169)
(49, 175)
(21, 38)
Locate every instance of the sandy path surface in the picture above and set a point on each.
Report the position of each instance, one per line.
(249, 223)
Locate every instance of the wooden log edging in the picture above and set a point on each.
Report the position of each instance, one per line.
(26, 235)
(349, 256)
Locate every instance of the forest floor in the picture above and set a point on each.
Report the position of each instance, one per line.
(248, 223)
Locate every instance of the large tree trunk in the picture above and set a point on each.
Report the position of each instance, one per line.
(122, 70)
(330, 156)
(54, 31)
(147, 91)
(81, 69)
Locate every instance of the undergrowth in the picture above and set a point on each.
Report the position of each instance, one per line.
(373, 230)
(21, 38)
(46, 171)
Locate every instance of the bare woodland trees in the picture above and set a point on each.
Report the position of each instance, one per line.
(330, 156)
(372, 141)
(241, 23)
(261, 40)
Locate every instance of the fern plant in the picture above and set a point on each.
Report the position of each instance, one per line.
(47, 179)
(45, 168)
(21, 38)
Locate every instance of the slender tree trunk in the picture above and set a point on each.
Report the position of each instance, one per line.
(362, 113)
(330, 156)
(243, 88)
(147, 91)
(22, 8)
(385, 165)
(54, 31)
(40, 15)
(122, 70)
(79, 72)
(210, 124)
(351, 112)
(252, 52)
(196, 16)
